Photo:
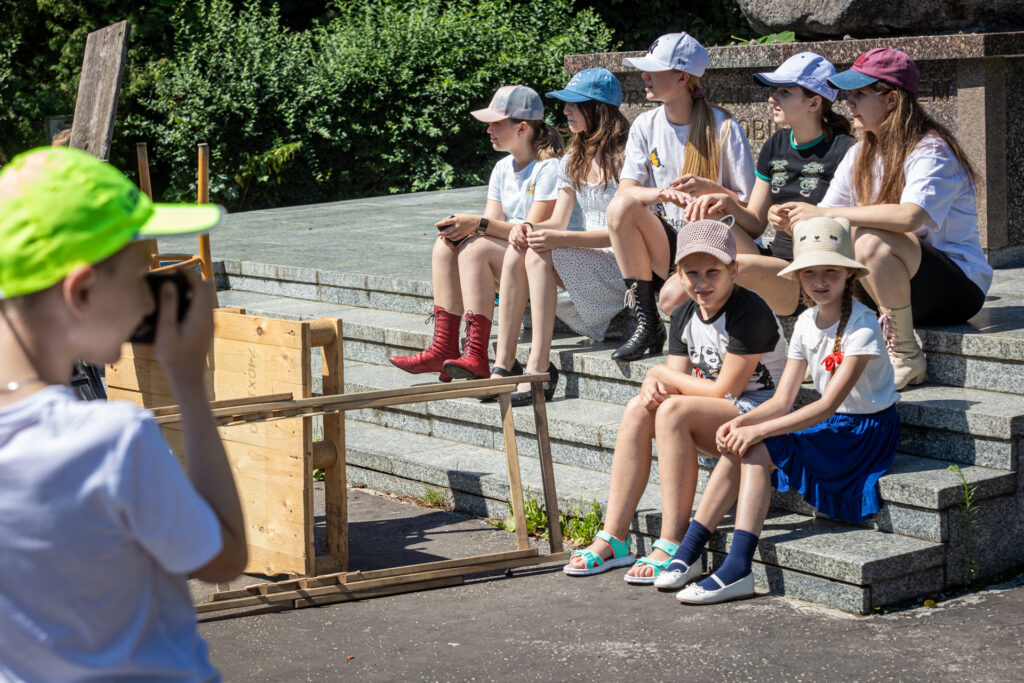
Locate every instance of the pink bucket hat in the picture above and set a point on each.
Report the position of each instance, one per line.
(706, 237)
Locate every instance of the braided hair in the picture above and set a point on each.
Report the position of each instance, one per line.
(844, 315)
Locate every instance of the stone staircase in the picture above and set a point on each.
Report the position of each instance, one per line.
(971, 413)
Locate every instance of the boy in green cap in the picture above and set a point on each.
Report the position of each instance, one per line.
(99, 525)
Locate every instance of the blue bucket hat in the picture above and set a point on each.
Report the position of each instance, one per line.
(595, 84)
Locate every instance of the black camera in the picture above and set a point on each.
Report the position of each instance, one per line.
(445, 227)
(145, 333)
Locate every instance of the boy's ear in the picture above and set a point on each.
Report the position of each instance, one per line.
(77, 289)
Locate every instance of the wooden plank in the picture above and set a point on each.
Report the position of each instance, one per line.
(360, 588)
(142, 154)
(106, 51)
(350, 577)
(203, 197)
(335, 483)
(320, 405)
(515, 481)
(262, 398)
(547, 469)
(379, 592)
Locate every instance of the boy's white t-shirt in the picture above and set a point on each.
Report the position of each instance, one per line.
(937, 182)
(876, 388)
(656, 148)
(518, 191)
(99, 527)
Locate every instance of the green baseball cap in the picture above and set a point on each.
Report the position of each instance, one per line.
(61, 208)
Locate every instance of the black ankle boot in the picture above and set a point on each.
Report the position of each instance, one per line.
(650, 332)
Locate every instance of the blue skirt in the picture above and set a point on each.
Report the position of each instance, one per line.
(836, 464)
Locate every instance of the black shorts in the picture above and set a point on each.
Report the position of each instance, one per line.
(940, 293)
(671, 233)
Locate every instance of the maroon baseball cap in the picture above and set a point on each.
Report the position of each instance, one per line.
(881, 64)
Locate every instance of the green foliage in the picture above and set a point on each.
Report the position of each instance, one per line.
(434, 497)
(781, 37)
(970, 522)
(579, 524)
(635, 26)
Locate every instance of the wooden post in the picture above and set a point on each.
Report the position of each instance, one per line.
(515, 482)
(106, 51)
(547, 468)
(335, 484)
(147, 188)
(204, 198)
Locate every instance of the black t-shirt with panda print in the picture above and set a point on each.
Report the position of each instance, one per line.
(798, 173)
(744, 325)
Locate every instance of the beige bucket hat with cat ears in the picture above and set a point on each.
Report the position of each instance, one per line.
(822, 242)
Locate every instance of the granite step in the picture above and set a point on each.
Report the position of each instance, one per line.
(917, 491)
(966, 426)
(818, 560)
(986, 354)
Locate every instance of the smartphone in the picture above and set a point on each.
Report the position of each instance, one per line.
(445, 227)
(145, 333)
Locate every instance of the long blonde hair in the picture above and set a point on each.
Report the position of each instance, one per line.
(703, 148)
(900, 132)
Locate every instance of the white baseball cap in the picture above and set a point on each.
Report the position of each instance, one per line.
(806, 69)
(512, 102)
(679, 51)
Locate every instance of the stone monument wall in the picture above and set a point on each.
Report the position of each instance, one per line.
(971, 83)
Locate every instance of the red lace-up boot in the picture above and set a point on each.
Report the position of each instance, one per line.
(444, 346)
(473, 363)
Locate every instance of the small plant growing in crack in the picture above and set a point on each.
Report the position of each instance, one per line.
(970, 520)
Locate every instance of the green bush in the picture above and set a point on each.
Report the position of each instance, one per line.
(376, 101)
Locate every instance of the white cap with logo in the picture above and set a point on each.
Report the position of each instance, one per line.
(679, 51)
(512, 102)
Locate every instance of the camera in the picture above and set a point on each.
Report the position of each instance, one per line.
(445, 227)
(145, 333)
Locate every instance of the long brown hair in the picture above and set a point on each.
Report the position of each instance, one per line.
(547, 142)
(833, 121)
(603, 140)
(703, 147)
(900, 132)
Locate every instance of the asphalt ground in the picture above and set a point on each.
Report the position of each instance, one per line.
(541, 625)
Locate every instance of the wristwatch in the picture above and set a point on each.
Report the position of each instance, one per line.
(481, 228)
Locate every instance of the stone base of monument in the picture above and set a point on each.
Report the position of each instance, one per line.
(970, 83)
(970, 414)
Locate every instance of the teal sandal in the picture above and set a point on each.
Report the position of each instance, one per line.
(621, 556)
(663, 545)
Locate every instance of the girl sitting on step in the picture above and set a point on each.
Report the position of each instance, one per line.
(682, 149)
(545, 255)
(469, 249)
(833, 450)
(796, 164)
(726, 353)
(908, 189)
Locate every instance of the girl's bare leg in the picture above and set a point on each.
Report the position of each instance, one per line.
(638, 239)
(682, 425)
(445, 274)
(755, 490)
(543, 282)
(672, 295)
(514, 292)
(631, 469)
(760, 274)
(480, 261)
(892, 259)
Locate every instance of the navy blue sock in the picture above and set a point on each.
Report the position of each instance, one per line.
(692, 543)
(737, 562)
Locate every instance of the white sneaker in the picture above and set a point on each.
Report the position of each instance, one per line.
(678, 574)
(695, 595)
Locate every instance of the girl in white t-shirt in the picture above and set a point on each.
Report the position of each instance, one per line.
(908, 188)
(468, 253)
(833, 451)
(543, 256)
(726, 354)
(681, 150)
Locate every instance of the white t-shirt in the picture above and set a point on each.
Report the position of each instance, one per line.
(517, 191)
(876, 388)
(99, 527)
(656, 149)
(938, 183)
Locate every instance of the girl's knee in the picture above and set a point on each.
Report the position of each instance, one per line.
(672, 413)
(618, 211)
(537, 260)
(872, 245)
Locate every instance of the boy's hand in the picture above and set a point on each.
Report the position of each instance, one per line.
(181, 348)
